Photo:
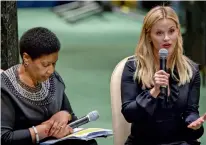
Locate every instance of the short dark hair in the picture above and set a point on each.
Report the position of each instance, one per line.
(38, 41)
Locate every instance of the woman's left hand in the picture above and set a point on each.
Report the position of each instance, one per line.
(59, 120)
(197, 123)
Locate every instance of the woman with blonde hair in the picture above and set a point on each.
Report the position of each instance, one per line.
(158, 119)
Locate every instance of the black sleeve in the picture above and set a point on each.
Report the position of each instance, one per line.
(67, 106)
(191, 114)
(9, 136)
(136, 103)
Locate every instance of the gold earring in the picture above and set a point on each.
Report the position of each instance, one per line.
(26, 64)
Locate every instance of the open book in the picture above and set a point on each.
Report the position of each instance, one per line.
(83, 134)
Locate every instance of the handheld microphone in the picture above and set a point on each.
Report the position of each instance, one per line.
(163, 53)
(92, 116)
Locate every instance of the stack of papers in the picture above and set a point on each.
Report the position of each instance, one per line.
(83, 134)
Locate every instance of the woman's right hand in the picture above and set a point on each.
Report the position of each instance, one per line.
(161, 78)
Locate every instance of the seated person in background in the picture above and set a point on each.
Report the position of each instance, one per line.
(156, 120)
(33, 94)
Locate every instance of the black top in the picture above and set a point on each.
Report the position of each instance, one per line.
(153, 122)
(23, 107)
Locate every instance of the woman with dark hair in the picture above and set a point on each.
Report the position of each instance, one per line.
(34, 105)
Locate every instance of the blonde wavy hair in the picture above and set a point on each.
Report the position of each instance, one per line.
(145, 55)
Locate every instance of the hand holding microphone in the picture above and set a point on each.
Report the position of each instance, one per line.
(59, 127)
(66, 129)
(92, 116)
(161, 78)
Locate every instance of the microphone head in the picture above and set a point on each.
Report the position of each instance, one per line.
(163, 52)
(94, 115)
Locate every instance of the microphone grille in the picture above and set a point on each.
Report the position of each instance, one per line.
(163, 52)
(94, 115)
